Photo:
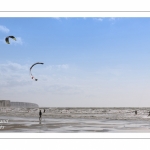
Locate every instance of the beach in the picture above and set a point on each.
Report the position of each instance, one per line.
(75, 120)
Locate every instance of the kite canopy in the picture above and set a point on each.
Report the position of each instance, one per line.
(7, 39)
(32, 77)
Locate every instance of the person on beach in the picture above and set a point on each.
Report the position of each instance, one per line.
(40, 115)
(44, 110)
(149, 113)
(135, 112)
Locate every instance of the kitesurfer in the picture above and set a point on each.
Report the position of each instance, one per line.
(40, 115)
(149, 113)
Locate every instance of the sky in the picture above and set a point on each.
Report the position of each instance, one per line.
(88, 62)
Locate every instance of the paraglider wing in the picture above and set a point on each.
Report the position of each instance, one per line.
(31, 69)
(7, 39)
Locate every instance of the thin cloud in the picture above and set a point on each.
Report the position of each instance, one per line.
(10, 66)
(57, 18)
(60, 18)
(63, 66)
(112, 19)
(4, 29)
(98, 19)
(13, 74)
(57, 67)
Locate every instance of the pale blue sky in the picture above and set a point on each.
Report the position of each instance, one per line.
(88, 62)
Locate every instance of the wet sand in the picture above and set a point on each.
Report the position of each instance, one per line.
(33, 125)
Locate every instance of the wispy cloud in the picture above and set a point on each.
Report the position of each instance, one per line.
(112, 19)
(13, 74)
(57, 67)
(98, 19)
(10, 66)
(60, 18)
(4, 29)
(63, 66)
(57, 18)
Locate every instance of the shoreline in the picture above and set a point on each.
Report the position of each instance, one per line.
(76, 120)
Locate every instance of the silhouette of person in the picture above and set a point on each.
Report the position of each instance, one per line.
(135, 112)
(44, 110)
(149, 113)
(40, 115)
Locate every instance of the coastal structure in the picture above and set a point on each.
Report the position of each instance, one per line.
(8, 103)
(4, 103)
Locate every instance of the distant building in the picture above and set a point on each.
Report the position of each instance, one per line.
(23, 104)
(4, 103)
(8, 103)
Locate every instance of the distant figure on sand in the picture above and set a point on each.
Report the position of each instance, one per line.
(135, 112)
(149, 113)
(44, 110)
(40, 115)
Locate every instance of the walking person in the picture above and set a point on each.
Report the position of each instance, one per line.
(149, 113)
(40, 115)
